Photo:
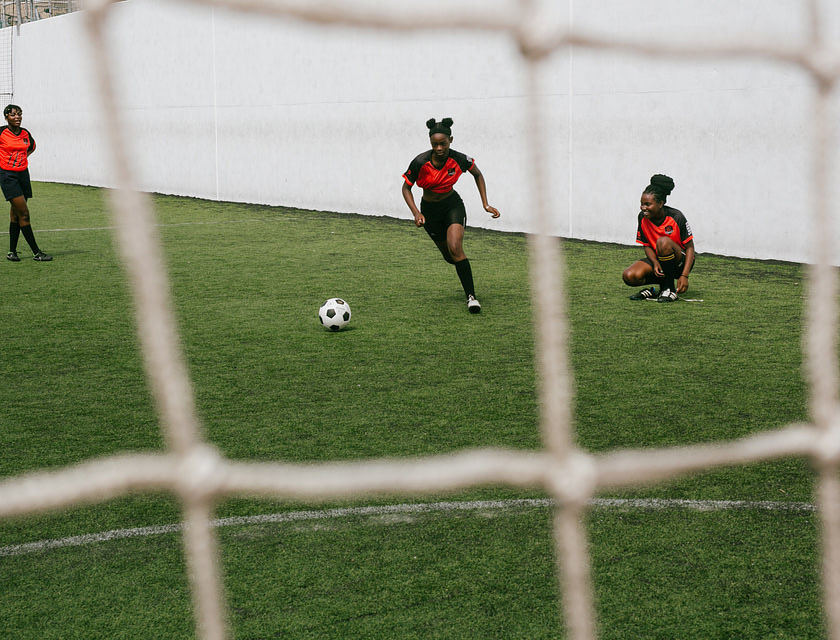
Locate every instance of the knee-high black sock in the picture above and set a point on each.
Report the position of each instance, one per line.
(464, 271)
(30, 238)
(669, 267)
(14, 234)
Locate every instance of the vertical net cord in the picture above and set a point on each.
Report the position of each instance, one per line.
(551, 347)
(202, 565)
(166, 371)
(140, 248)
(828, 498)
(822, 358)
(821, 333)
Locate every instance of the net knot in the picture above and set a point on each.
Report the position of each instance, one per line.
(573, 478)
(198, 472)
(827, 444)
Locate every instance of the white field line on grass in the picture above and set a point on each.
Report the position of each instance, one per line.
(434, 507)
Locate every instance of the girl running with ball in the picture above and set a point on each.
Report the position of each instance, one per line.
(442, 212)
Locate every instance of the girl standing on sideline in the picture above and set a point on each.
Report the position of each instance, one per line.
(16, 144)
(442, 212)
(668, 242)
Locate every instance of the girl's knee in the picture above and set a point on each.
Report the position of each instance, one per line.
(666, 246)
(456, 250)
(633, 277)
(444, 251)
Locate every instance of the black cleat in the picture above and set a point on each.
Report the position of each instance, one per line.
(644, 294)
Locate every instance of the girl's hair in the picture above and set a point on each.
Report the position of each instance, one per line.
(444, 126)
(660, 187)
(11, 107)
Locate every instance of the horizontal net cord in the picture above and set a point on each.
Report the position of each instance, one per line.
(204, 472)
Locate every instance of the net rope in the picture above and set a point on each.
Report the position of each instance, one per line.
(195, 472)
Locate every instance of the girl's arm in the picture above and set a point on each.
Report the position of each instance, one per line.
(408, 196)
(682, 281)
(482, 191)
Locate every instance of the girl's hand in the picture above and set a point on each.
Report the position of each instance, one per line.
(682, 284)
(493, 211)
(657, 271)
(419, 220)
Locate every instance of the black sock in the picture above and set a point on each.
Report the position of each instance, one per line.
(14, 234)
(464, 271)
(669, 267)
(30, 238)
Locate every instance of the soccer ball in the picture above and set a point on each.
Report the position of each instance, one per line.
(334, 314)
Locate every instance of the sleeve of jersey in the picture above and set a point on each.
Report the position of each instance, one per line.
(685, 230)
(465, 163)
(640, 235)
(410, 175)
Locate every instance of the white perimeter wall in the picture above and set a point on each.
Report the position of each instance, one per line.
(246, 108)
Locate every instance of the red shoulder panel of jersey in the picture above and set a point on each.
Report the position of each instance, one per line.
(675, 226)
(424, 174)
(14, 149)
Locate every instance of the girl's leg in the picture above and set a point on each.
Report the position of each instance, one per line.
(455, 248)
(638, 274)
(444, 250)
(14, 233)
(21, 210)
(455, 242)
(670, 257)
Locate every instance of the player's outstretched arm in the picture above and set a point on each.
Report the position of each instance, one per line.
(482, 191)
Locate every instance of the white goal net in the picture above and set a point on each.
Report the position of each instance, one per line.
(199, 476)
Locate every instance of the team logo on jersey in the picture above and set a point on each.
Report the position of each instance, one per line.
(669, 229)
(451, 171)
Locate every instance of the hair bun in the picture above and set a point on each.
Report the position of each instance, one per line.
(444, 126)
(664, 184)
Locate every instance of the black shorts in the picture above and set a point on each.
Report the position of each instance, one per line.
(15, 184)
(439, 215)
(680, 265)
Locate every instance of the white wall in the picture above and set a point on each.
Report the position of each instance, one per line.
(246, 108)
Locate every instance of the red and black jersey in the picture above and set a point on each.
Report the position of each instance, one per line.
(15, 148)
(675, 226)
(424, 174)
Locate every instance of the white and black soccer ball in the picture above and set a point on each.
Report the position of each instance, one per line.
(334, 314)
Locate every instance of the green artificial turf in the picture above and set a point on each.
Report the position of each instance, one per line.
(413, 374)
